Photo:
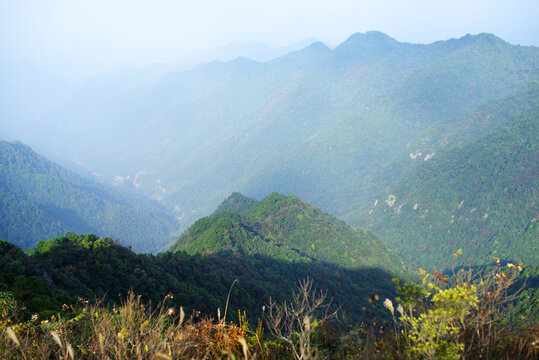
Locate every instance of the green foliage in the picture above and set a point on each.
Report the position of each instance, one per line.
(69, 267)
(480, 197)
(444, 318)
(435, 333)
(287, 229)
(39, 199)
(468, 315)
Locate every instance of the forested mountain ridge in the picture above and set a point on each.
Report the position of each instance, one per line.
(358, 147)
(287, 229)
(40, 199)
(442, 136)
(297, 124)
(481, 197)
(62, 269)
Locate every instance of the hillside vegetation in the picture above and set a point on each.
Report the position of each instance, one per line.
(62, 269)
(39, 200)
(42, 318)
(481, 197)
(288, 229)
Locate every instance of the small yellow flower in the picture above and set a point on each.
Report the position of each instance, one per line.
(122, 334)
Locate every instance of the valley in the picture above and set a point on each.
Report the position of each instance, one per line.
(377, 169)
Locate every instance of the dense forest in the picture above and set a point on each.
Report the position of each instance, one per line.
(288, 229)
(40, 200)
(481, 197)
(210, 256)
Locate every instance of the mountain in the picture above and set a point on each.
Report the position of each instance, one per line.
(318, 122)
(267, 245)
(40, 199)
(65, 268)
(337, 168)
(481, 196)
(287, 229)
(253, 50)
(442, 136)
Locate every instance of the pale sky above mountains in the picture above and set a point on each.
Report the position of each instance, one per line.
(105, 33)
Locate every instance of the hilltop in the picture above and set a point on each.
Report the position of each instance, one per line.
(285, 228)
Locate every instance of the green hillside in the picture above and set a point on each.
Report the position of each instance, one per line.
(56, 286)
(481, 197)
(340, 168)
(64, 268)
(316, 122)
(267, 245)
(441, 136)
(40, 199)
(288, 229)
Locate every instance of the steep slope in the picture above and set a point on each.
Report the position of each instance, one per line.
(442, 136)
(413, 88)
(287, 229)
(481, 197)
(39, 199)
(316, 122)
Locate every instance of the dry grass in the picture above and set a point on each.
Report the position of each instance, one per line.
(134, 330)
(130, 331)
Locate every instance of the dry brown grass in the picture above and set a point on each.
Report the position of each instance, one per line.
(135, 330)
(131, 331)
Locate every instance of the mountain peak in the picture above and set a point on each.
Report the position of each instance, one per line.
(285, 227)
(367, 46)
(312, 53)
(485, 38)
(371, 37)
(489, 38)
(317, 46)
(237, 203)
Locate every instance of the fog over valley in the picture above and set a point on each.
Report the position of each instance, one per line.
(284, 180)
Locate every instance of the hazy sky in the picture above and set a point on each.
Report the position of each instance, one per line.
(98, 33)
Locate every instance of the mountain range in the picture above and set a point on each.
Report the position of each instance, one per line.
(317, 123)
(342, 128)
(356, 167)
